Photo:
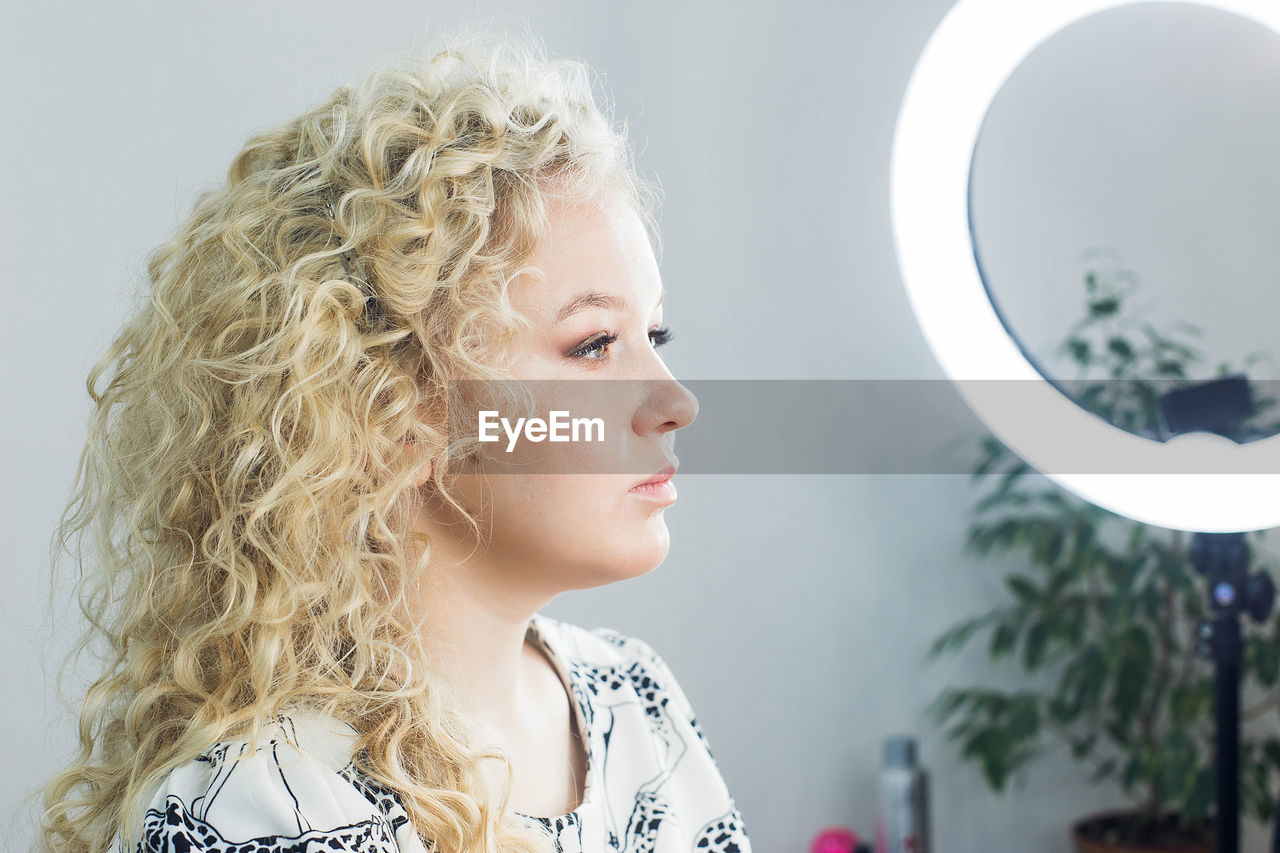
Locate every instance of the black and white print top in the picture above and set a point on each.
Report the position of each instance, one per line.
(652, 783)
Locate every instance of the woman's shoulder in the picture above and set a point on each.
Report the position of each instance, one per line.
(610, 648)
(642, 693)
(597, 645)
(294, 788)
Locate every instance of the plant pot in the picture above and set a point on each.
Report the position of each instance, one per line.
(1102, 833)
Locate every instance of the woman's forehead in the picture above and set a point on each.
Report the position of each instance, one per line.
(595, 256)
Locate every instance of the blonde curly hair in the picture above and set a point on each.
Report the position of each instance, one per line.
(247, 476)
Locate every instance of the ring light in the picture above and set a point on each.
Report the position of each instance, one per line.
(967, 60)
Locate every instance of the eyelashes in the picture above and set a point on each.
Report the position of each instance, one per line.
(597, 344)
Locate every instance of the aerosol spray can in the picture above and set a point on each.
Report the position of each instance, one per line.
(902, 825)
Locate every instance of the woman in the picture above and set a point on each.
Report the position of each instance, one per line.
(319, 585)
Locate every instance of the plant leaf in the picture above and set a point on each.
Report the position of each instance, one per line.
(1132, 675)
(1196, 805)
(1104, 307)
(1003, 639)
(1034, 646)
(1121, 348)
(1084, 746)
(957, 636)
(1022, 587)
(1176, 766)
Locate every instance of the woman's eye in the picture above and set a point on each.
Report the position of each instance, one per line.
(661, 336)
(599, 344)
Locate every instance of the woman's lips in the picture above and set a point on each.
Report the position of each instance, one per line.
(664, 474)
(662, 491)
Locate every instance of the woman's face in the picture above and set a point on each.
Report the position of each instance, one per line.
(550, 532)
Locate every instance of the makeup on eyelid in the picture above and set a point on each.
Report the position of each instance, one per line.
(658, 337)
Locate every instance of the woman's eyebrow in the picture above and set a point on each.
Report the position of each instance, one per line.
(597, 299)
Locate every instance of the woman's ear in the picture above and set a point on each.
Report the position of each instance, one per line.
(426, 466)
(423, 474)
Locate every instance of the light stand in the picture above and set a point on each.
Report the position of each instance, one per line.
(962, 68)
(1221, 406)
(1224, 559)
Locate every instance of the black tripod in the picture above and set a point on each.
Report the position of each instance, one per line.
(1221, 406)
(1224, 559)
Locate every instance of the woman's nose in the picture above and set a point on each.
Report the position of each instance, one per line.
(684, 408)
(668, 406)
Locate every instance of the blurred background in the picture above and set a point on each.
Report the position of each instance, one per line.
(796, 610)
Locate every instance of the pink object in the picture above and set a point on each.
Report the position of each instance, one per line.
(834, 839)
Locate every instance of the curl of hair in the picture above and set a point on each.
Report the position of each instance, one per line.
(247, 477)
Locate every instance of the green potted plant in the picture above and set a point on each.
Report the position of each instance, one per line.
(1103, 619)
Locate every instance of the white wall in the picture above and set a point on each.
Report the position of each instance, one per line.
(795, 610)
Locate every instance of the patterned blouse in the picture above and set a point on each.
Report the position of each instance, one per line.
(652, 785)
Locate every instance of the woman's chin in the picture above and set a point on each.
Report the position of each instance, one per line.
(636, 562)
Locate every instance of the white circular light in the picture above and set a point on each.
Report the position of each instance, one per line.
(967, 60)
